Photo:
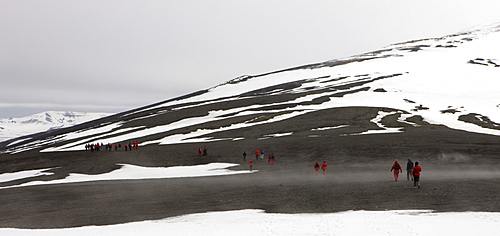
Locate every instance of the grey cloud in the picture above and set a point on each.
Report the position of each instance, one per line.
(125, 54)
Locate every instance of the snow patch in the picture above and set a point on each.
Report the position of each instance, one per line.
(129, 172)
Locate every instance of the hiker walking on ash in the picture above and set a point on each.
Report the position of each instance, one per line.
(270, 159)
(316, 167)
(396, 167)
(205, 150)
(409, 170)
(416, 175)
(257, 154)
(323, 167)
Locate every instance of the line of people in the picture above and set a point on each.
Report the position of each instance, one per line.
(412, 171)
(259, 154)
(111, 147)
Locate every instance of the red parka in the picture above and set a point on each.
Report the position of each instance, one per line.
(324, 165)
(396, 167)
(416, 170)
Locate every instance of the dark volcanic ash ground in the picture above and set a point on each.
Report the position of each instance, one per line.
(456, 176)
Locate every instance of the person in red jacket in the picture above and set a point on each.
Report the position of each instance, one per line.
(416, 175)
(251, 164)
(323, 167)
(396, 167)
(316, 167)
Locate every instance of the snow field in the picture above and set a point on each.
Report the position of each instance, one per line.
(257, 222)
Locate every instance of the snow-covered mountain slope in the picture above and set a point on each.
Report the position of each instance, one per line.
(450, 81)
(16, 127)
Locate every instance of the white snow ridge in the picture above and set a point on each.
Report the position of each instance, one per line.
(15, 127)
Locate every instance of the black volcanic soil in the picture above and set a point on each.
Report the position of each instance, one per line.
(460, 173)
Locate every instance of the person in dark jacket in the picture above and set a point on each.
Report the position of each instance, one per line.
(205, 150)
(396, 167)
(409, 170)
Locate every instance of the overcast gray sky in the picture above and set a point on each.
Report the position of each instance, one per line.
(115, 55)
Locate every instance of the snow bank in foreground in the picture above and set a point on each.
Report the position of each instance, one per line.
(129, 172)
(256, 222)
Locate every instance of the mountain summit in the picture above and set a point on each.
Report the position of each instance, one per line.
(448, 81)
(45, 121)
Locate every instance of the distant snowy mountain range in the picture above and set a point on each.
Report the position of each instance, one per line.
(449, 81)
(16, 127)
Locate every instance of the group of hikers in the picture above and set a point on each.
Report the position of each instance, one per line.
(323, 167)
(259, 154)
(111, 147)
(412, 169)
(412, 172)
(203, 151)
